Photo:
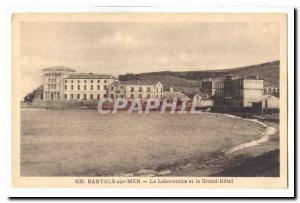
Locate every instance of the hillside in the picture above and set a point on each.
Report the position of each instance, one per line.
(190, 80)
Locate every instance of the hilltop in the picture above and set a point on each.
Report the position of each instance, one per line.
(191, 80)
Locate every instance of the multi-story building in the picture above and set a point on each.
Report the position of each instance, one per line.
(208, 86)
(235, 92)
(87, 86)
(53, 82)
(64, 84)
(136, 89)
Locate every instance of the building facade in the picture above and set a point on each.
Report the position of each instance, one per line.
(87, 86)
(266, 104)
(271, 91)
(170, 94)
(64, 84)
(235, 92)
(53, 82)
(209, 86)
(136, 89)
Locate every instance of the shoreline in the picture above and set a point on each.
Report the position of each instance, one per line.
(248, 159)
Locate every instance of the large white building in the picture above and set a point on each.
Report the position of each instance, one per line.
(87, 86)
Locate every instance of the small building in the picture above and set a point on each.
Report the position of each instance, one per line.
(171, 93)
(134, 89)
(266, 104)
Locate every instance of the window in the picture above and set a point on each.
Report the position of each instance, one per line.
(66, 81)
(71, 81)
(98, 96)
(84, 96)
(105, 87)
(148, 96)
(78, 81)
(66, 96)
(140, 95)
(112, 88)
(84, 87)
(148, 89)
(78, 96)
(91, 87)
(140, 89)
(78, 87)
(65, 87)
(54, 86)
(84, 81)
(72, 87)
(48, 87)
(132, 96)
(98, 87)
(91, 81)
(105, 81)
(98, 81)
(71, 96)
(91, 96)
(132, 89)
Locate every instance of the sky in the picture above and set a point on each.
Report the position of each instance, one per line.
(135, 47)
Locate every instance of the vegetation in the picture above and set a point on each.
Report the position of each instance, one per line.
(38, 92)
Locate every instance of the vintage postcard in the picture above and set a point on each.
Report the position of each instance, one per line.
(149, 100)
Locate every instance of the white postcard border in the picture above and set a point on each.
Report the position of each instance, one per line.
(153, 192)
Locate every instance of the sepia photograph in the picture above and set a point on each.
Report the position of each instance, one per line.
(152, 98)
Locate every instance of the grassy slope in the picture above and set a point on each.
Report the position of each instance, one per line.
(190, 80)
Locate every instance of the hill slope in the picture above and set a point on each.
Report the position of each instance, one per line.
(190, 80)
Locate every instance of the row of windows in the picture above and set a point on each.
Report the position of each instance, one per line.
(83, 96)
(53, 86)
(91, 96)
(85, 87)
(85, 81)
(141, 96)
(52, 74)
(140, 89)
(52, 80)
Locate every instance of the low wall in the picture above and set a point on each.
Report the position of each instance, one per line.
(60, 104)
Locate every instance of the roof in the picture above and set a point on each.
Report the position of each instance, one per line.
(264, 97)
(89, 76)
(138, 82)
(59, 68)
